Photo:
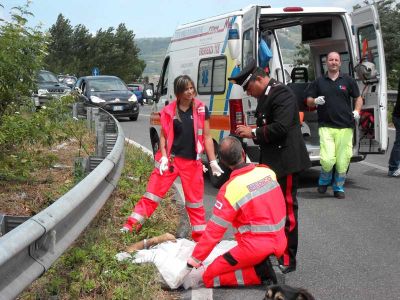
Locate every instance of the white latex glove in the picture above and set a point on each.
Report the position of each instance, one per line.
(124, 230)
(194, 278)
(163, 164)
(123, 256)
(356, 115)
(320, 100)
(215, 168)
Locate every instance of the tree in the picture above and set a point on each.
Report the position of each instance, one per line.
(115, 53)
(80, 63)
(60, 46)
(76, 51)
(389, 15)
(22, 50)
(303, 57)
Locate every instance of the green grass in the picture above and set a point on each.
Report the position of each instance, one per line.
(88, 270)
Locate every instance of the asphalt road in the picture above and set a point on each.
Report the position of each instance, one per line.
(348, 249)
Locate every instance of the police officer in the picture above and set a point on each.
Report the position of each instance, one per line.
(281, 143)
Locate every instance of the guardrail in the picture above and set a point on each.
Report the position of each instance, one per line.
(28, 250)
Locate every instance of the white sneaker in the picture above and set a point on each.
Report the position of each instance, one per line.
(395, 173)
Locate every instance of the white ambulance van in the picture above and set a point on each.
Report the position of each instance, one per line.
(213, 49)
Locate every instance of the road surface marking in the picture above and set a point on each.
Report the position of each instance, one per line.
(374, 166)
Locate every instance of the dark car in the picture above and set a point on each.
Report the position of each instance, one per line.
(109, 93)
(48, 87)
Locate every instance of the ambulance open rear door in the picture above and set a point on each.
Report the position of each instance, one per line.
(371, 77)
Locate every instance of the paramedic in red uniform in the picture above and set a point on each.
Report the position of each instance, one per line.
(184, 135)
(253, 203)
(282, 147)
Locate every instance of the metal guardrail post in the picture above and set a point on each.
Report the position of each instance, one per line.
(100, 139)
(75, 110)
(89, 114)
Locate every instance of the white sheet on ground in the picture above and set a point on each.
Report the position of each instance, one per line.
(170, 259)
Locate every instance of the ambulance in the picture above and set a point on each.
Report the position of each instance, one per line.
(214, 49)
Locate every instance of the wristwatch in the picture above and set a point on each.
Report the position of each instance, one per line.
(253, 133)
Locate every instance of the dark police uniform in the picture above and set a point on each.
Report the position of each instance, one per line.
(282, 147)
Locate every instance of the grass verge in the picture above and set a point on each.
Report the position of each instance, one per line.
(88, 270)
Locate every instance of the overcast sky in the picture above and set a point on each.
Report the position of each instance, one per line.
(151, 18)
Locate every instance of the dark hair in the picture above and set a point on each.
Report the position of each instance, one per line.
(257, 72)
(230, 151)
(180, 84)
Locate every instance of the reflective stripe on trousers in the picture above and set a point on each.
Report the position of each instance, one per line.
(138, 217)
(262, 228)
(194, 204)
(152, 197)
(199, 227)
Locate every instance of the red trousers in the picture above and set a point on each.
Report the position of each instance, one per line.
(244, 264)
(191, 175)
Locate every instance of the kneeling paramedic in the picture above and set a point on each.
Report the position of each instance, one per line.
(252, 201)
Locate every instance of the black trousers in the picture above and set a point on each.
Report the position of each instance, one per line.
(289, 186)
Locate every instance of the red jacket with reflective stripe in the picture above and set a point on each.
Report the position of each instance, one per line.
(252, 201)
(167, 124)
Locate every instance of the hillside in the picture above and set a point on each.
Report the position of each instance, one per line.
(152, 51)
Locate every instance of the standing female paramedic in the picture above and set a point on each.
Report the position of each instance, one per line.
(185, 134)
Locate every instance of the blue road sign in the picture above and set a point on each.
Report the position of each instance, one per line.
(95, 71)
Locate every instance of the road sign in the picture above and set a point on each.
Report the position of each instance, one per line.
(95, 71)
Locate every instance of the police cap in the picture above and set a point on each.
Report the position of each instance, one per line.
(244, 77)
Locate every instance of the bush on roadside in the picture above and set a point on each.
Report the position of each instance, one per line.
(22, 51)
(24, 134)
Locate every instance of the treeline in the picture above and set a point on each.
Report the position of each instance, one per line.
(74, 50)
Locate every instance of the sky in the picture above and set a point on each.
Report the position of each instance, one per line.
(146, 18)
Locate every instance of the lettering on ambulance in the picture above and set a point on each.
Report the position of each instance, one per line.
(208, 50)
(196, 32)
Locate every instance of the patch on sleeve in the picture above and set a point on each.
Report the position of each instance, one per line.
(201, 109)
(218, 204)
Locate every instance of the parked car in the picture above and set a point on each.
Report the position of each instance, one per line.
(147, 91)
(137, 89)
(48, 87)
(69, 80)
(110, 93)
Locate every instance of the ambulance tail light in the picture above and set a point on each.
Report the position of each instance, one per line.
(293, 9)
(236, 114)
